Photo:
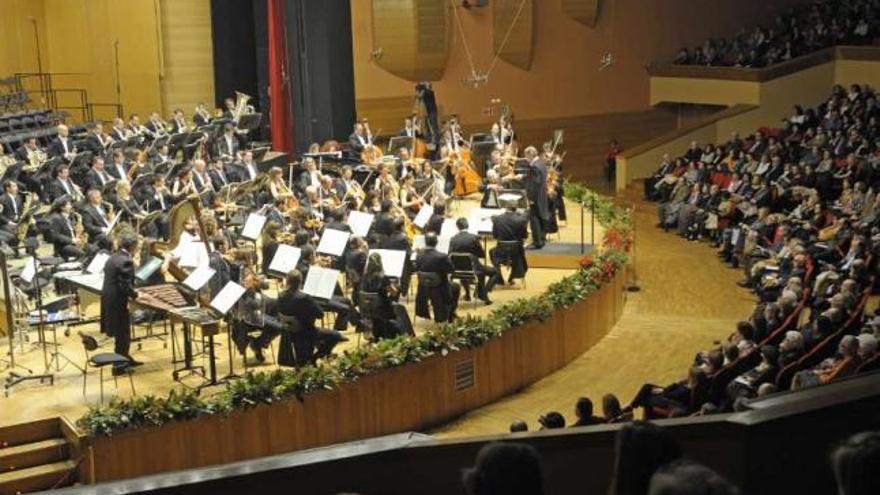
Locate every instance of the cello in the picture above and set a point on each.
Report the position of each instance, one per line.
(467, 180)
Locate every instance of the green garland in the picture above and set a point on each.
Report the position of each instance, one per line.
(465, 333)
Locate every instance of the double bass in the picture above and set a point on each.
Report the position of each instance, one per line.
(467, 180)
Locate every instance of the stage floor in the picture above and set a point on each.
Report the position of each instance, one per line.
(31, 400)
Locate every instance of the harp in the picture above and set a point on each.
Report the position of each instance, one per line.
(180, 215)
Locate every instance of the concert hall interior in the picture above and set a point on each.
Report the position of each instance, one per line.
(440, 246)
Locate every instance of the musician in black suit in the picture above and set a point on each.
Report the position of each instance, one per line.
(435, 223)
(117, 290)
(11, 210)
(96, 141)
(201, 117)
(117, 169)
(444, 295)
(61, 185)
(62, 146)
(96, 220)
(256, 310)
(218, 175)
(293, 302)
(227, 144)
(338, 303)
(358, 140)
(246, 169)
(97, 177)
(536, 189)
(155, 127)
(510, 226)
(409, 129)
(178, 122)
(118, 132)
(468, 243)
(383, 223)
(399, 241)
(63, 230)
(29, 146)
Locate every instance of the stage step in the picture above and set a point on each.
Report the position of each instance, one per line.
(33, 454)
(32, 479)
(34, 431)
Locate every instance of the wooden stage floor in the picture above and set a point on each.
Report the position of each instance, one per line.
(31, 401)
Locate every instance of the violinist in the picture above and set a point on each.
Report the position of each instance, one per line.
(405, 164)
(375, 281)
(276, 186)
(555, 184)
(435, 223)
(385, 184)
(313, 205)
(409, 197)
(255, 310)
(278, 212)
(399, 241)
(270, 243)
(347, 187)
(335, 219)
(338, 304)
(328, 192)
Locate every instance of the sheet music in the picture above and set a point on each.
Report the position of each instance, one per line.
(513, 198)
(448, 229)
(185, 239)
(480, 220)
(253, 226)
(29, 271)
(194, 256)
(423, 216)
(443, 244)
(97, 264)
(360, 222)
(333, 242)
(227, 297)
(418, 243)
(321, 282)
(286, 258)
(199, 277)
(392, 261)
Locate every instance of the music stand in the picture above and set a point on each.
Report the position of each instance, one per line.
(397, 143)
(250, 121)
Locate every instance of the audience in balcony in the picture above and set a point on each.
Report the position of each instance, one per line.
(802, 30)
(583, 410)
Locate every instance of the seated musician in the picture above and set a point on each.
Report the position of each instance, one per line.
(313, 205)
(276, 186)
(64, 236)
(96, 141)
(96, 220)
(97, 177)
(11, 210)
(309, 343)
(327, 192)
(218, 175)
(202, 116)
(118, 132)
(62, 146)
(385, 184)
(34, 158)
(443, 296)
(334, 218)
(375, 281)
(468, 243)
(410, 129)
(117, 168)
(338, 304)
(510, 226)
(269, 241)
(399, 241)
(155, 127)
(310, 176)
(435, 223)
(227, 146)
(247, 169)
(178, 122)
(346, 186)
(383, 224)
(134, 125)
(142, 166)
(183, 185)
(201, 178)
(63, 186)
(410, 200)
(255, 310)
(355, 261)
(405, 164)
(224, 269)
(159, 199)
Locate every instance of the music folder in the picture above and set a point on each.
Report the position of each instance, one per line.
(286, 259)
(253, 227)
(423, 216)
(321, 282)
(227, 297)
(392, 261)
(147, 269)
(333, 242)
(29, 270)
(97, 264)
(360, 222)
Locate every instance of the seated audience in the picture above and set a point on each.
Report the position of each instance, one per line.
(639, 450)
(507, 468)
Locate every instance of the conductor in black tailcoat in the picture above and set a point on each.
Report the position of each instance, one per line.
(536, 189)
(117, 290)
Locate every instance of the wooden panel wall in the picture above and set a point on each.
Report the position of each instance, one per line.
(513, 31)
(187, 70)
(18, 46)
(412, 37)
(81, 35)
(584, 11)
(412, 397)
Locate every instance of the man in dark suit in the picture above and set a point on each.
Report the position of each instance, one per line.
(118, 132)
(409, 129)
(399, 241)
(11, 210)
(227, 144)
(536, 189)
(201, 117)
(118, 289)
(303, 307)
(62, 146)
(97, 177)
(468, 243)
(61, 185)
(117, 169)
(96, 140)
(178, 122)
(64, 238)
(435, 223)
(442, 294)
(383, 224)
(358, 140)
(510, 226)
(218, 175)
(95, 220)
(30, 145)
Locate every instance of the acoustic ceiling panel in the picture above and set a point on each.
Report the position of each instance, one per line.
(584, 11)
(411, 38)
(513, 31)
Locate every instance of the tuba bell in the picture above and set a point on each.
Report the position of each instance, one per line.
(241, 106)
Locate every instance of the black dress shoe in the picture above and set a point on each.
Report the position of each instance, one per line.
(121, 370)
(535, 246)
(487, 301)
(134, 362)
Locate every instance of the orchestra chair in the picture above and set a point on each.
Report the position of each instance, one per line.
(291, 326)
(428, 280)
(101, 361)
(368, 304)
(251, 329)
(465, 272)
(505, 251)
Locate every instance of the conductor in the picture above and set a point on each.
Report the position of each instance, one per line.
(117, 290)
(536, 189)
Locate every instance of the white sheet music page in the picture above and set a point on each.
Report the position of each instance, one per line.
(392, 261)
(194, 256)
(29, 270)
(286, 258)
(448, 229)
(97, 264)
(423, 216)
(253, 226)
(321, 282)
(333, 242)
(227, 297)
(360, 222)
(199, 277)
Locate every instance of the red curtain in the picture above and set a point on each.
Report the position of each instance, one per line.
(279, 79)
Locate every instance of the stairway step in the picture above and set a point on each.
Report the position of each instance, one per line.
(29, 432)
(36, 478)
(33, 454)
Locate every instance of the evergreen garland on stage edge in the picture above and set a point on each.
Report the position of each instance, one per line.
(468, 332)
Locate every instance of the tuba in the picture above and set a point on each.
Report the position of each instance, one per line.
(241, 101)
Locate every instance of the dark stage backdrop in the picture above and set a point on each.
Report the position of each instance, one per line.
(235, 52)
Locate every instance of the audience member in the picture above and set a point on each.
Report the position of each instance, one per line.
(552, 420)
(583, 409)
(856, 464)
(508, 468)
(685, 477)
(639, 450)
